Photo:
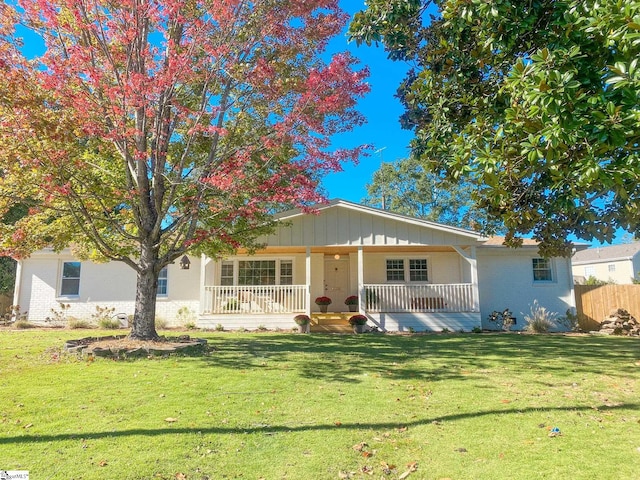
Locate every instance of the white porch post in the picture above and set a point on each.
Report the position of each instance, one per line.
(307, 301)
(18, 284)
(203, 277)
(361, 292)
(473, 263)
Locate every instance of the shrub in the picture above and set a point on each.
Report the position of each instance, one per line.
(539, 320)
(190, 325)
(22, 324)
(161, 323)
(504, 319)
(79, 323)
(59, 316)
(302, 319)
(262, 328)
(185, 315)
(104, 314)
(569, 321)
(476, 330)
(219, 328)
(109, 323)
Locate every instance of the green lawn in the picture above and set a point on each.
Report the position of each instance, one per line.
(286, 406)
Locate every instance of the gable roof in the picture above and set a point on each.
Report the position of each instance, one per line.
(340, 222)
(625, 251)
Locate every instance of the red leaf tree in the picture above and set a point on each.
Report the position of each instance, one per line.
(152, 128)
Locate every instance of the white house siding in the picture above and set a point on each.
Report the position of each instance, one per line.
(425, 322)
(623, 270)
(111, 285)
(505, 278)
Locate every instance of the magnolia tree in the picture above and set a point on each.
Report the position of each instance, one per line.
(153, 128)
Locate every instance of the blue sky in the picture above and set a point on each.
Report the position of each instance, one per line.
(382, 111)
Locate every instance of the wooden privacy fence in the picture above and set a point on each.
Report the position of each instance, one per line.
(594, 302)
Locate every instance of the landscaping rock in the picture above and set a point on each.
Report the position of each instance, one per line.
(620, 322)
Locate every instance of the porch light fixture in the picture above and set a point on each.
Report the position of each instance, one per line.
(185, 263)
(337, 256)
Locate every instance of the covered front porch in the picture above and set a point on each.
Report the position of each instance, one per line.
(396, 288)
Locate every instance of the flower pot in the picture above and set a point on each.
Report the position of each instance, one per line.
(323, 308)
(359, 328)
(353, 308)
(304, 328)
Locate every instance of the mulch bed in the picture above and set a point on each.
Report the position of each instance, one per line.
(123, 346)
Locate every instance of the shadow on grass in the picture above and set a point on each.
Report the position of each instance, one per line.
(273, 429)
(427, 357)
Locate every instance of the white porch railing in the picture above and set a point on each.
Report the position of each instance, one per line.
(457, 297)
(255, 299)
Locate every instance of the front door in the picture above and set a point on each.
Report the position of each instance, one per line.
(336, 282)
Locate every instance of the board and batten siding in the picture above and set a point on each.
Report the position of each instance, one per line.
(345, 226)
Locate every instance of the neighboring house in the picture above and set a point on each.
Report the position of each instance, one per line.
(408, 274)
(614, 263)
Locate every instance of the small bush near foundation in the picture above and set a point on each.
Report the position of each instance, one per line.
(161, 323)
(78, 323)
(23, 324)
(219, 327)
(190, 325)
(476, 330)
(109, 323)
(539, 320)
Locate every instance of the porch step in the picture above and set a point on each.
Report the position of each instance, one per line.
(331, 322)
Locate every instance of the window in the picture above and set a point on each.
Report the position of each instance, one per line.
(542, 270)
(70, 285)
(418, 270)
(286, 272)
(612, 267)
(395, 270)
(589, 271)
(257, 272)
(226, 273)
(162, 283)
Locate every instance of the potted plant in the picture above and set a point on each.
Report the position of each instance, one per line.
(351, 302)
(303, 322)
(323, 303)
(358, 322)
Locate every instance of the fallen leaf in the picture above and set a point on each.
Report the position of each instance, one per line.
(358, 447)
(28, 425)
(460, 450)
(367, 470)
(404, 475)
(505, 401)
(402, 429)
(102, 463)
(170, 420)
(338, 424)
(180, 476)
(366, 454)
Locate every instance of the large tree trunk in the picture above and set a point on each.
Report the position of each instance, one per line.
(144, 318)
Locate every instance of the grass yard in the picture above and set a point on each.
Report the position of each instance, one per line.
(285, 406)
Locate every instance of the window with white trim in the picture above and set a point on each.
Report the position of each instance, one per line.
(162, 282)
(542, 271)
(226, 273)
(418, 270)
(612, 267)
(395, 270)
(256, 272)
(70, 284)
(590, 271)
(286, 272)
(413, 269)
